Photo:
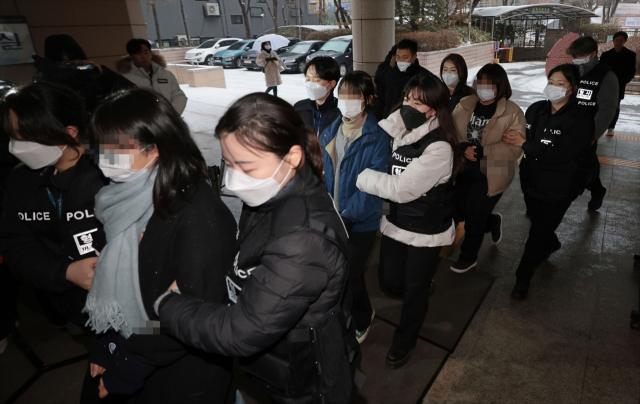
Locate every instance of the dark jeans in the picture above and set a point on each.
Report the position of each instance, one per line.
(474, 207)
(595, 185)
(275, 90)
(612, 125)
(406, 272)
(545, 219)
(359, 248)
(8, 302)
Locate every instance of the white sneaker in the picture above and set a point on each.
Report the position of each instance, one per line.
(362, 335)
(609, 132)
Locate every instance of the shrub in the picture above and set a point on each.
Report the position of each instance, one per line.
(327, 34)
(599, 32)
(432, 41)
(477, 35)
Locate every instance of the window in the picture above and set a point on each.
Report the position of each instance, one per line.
(335, 46)
(236, 19)
(237, 45)
(261, 1)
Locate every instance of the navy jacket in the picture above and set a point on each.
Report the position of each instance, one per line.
(370, 150)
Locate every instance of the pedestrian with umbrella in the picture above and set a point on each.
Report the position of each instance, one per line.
(269, 60)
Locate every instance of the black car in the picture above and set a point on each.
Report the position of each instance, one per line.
(249, 58)
(339, 48)
(295, 58)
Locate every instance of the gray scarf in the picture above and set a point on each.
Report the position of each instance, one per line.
(114, 300)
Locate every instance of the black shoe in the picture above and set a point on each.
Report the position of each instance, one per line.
(555, 247)
(463, 266)
(396, 358)
(596, 201)
(521, 290)
(496, 230)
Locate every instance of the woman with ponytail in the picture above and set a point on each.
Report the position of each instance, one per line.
(284, 318)
(423, 163)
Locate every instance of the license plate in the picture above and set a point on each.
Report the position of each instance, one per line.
(247, 62)
(218, 59)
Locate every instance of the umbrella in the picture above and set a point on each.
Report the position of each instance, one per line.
(277, 42)
(558, 54)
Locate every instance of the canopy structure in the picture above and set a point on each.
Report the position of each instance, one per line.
(534, 12)
(526, 25)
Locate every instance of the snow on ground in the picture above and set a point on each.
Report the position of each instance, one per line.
(207, 105)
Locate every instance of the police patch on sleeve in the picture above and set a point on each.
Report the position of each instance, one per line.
(84, 241)
(233, 290)
(397, 170)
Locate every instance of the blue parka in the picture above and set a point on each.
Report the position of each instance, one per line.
(369, 150)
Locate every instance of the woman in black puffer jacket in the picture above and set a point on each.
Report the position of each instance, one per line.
(558, 137)
(285, 319)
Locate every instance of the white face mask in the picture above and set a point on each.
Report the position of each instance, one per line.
(267, 47)
(350, 108)
(118, 166)
(486, 93)
(315, 91)
(555, 93)
(403, 66)
(450, 79)
(582, 61)
(253, 191)
(35, 155)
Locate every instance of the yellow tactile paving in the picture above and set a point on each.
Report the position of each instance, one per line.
(626, 137)
(619, 162)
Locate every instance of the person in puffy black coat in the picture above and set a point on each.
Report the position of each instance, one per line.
(48, 232)
(284, 320)
(65, 63)
(558, 138)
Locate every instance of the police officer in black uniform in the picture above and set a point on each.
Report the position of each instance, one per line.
(557, 140)
(49, 236)
(597, 95)
(284, 319)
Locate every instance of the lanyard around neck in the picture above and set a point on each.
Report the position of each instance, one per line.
(53, 201)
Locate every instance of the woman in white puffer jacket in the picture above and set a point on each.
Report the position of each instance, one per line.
(424, 161)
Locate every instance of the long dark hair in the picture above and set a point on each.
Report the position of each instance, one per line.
(150, 119)
(362, 83)
(44, 111)
(432, 92)
(571, 73)
(270, 124)
(463, 73)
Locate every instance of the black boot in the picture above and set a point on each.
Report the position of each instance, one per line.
(398, 357)
(521, 290)
(596, 200)
(553, 248)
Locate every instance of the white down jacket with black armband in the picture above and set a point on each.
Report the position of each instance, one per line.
(433, 168)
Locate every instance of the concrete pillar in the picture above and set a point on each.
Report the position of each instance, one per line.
(373, 32)
(102, 28)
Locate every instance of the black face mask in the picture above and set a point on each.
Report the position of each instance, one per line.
(411, 117)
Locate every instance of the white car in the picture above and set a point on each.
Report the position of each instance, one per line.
(204, 52)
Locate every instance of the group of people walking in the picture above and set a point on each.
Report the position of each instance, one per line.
(137, 246)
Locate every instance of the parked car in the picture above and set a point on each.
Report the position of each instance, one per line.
(249, 58)
(231, 57)
(204, 53)
(339, 48)
(295, 58)
(5, 87)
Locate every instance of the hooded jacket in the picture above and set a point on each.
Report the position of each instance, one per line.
(369, 149)
(422, 174)
(161, 80)
(552, 152)
(36, 244)
(499, 161)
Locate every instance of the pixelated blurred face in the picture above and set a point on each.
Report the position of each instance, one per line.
(405, 55)
(119, 148)
(485, 84)
(414, 101)
(312, 77)
(142, 59)
(449, 68)
(346, 92)
(558, 79)
(619, 42)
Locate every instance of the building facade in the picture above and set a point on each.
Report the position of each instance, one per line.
(230, 22)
